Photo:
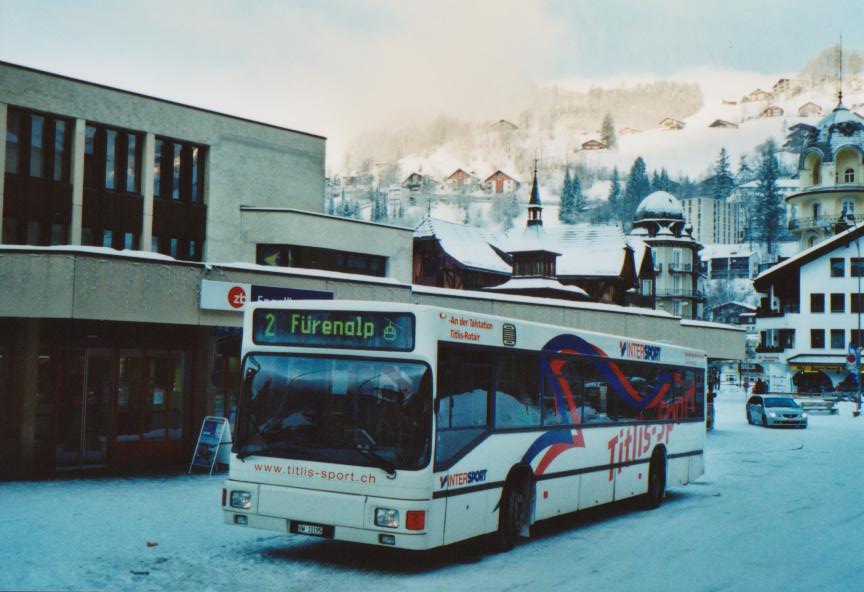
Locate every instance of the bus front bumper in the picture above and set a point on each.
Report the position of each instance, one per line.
(400, 540)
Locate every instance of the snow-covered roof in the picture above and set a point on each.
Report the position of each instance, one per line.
(585, 249)
(467, 244)
(536, 283)
(640, 249)
(722, 251)
(825, 246)
(660, 204)
(522, 299)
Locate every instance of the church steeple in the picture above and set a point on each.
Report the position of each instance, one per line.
(535, 208)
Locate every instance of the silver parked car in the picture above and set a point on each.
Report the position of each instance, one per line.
(775, 410)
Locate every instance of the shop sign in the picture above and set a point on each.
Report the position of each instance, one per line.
(217, 295)
(214, 432)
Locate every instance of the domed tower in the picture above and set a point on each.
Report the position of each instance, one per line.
(660, 223)
(831, 177)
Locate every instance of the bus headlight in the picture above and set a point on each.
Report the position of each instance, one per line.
(241, 500)
(387, 517)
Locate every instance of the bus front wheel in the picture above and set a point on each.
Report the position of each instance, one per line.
(513, 513)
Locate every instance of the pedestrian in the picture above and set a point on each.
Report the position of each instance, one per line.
(759, 387)
(746, 385)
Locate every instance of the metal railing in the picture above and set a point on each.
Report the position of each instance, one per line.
(822, 221)
(680, 293)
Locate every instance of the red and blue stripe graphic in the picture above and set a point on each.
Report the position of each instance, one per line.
(559, 440)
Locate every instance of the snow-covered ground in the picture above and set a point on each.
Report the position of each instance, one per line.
(776, 510)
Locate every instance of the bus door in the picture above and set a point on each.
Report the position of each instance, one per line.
(464, 387)
(598, 408)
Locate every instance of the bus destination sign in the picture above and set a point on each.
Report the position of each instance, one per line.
(334, 328)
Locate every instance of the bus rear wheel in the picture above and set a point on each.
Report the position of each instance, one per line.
(656, 482)
(513, 513)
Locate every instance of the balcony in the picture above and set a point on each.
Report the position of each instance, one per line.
(681, 268)
(680, 293)
(820, 222)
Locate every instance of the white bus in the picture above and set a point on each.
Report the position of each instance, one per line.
(418, 426)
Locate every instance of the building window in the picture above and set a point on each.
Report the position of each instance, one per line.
(817, 210)
(838, 267)
(838, 339)
(130, 241)
(838, 303)
(177, 150)
(856, 303)
(131, 163)
(13, 140)
(107, 238)
(849, 176)
(317, 258)
(856, 267)
(817, 302)
(61, 169)
(157, 169)
(178, 171)
(90, 156)
(110, 159)
(817, 338)
(37, 146)
(855, 338)
(848, 206)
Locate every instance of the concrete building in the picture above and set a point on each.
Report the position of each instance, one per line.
(134, 230)
(713, 220)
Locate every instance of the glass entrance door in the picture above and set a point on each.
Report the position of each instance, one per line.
(84, 403)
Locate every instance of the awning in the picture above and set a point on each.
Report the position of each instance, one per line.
(817, 363)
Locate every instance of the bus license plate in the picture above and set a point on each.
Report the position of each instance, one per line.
(311, 529)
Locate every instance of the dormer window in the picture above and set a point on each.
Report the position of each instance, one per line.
(849, 176)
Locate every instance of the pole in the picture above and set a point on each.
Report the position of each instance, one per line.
(858, 341)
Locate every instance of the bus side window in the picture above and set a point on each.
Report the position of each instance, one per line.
(517, 393)
(563, 391)
(597, 393)
(464, 381)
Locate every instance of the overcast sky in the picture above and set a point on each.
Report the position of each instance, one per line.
(334, 67)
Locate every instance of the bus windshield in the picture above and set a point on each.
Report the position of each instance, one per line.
(342, 410)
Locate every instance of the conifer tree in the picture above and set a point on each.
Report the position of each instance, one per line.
(638, 187)
(580, 203)
(656, 183)
(665, 181)
(607, 132)
(768, 208)
(565, 208)
(615, 198)
(723, 183)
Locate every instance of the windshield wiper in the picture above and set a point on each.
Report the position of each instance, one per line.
(261, 451)
(366, 450)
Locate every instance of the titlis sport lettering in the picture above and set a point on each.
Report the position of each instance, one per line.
(463, 478)
(355, 327)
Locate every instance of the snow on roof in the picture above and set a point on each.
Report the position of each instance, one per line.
(660, 204)
(640, 249)
(522, 299)
(536, 283)
(837, 239)
(469, 245)
(715, 251)
(783, 183)
(125, 253)
(688, 323)
(585, 249)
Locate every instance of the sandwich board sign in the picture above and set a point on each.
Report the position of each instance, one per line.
(214, 431)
